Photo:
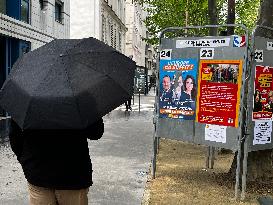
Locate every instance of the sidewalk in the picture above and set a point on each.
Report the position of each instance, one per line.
(121, 160)
(146, 102)
(122, 157)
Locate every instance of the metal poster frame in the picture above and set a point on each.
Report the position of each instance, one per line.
(249, 127)
(193, 131)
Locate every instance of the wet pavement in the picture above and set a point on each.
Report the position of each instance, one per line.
(121, 159)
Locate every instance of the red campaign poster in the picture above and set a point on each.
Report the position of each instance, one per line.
(263, 93)
(219, 92)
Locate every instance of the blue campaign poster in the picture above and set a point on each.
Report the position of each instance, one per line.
(178, 88)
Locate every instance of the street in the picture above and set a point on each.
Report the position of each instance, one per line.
(121, 160)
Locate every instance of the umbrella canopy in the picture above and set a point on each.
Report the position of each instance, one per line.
(67, 84)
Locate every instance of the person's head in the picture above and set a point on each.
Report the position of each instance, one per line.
(189, 85)
(166, 82)
(270, 99)
(257, 96)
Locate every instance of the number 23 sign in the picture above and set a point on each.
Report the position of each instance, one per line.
(206, 53)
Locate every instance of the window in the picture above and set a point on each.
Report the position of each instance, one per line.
(112, 35)
(103, 32)
(59, 12)
(115, 38)
(24, 10)
(109, 31)
(3, 6)
(120, 41)
(19, 9)
(24, 47)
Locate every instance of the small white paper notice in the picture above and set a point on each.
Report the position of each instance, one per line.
(262, 132)
(216, 133)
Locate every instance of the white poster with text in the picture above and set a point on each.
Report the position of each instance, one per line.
(216, 133)
(262, 132)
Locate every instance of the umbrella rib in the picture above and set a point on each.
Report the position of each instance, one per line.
(77, 104)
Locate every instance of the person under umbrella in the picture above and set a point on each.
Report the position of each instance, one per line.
(56, 163)
(64, 88)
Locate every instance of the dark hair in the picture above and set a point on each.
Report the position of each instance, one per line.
(193, 92)
(166, 76)
(257, 92)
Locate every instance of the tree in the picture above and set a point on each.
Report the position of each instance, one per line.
(168, 13)
(231, 16)
(265, 18)
(213, 16)
(247, 12)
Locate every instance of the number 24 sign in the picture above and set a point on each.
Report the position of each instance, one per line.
(166, 54)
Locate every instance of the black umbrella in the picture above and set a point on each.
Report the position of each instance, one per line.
(67, 84)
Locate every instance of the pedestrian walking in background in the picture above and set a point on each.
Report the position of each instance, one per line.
(128, 104)
(56, 163)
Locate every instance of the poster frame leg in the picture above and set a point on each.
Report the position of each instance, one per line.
(237, 183)
(244, 168)
(212, 155)
(154, 156)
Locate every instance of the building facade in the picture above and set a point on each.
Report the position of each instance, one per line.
(28, 24)
(140, 51)
(135, 46)
(101, 19)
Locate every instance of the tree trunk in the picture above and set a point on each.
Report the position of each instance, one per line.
(260, 166)
(213, 16)
(231, 16)
(265, 19)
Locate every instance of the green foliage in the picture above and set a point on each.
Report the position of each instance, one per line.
(172, 13)
(247, 12)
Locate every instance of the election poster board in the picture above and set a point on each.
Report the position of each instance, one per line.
(177, 118)
(178, 89)
(219, 88)
(260, 105)
(263, 93)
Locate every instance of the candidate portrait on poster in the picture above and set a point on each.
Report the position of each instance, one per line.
(178, 89)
